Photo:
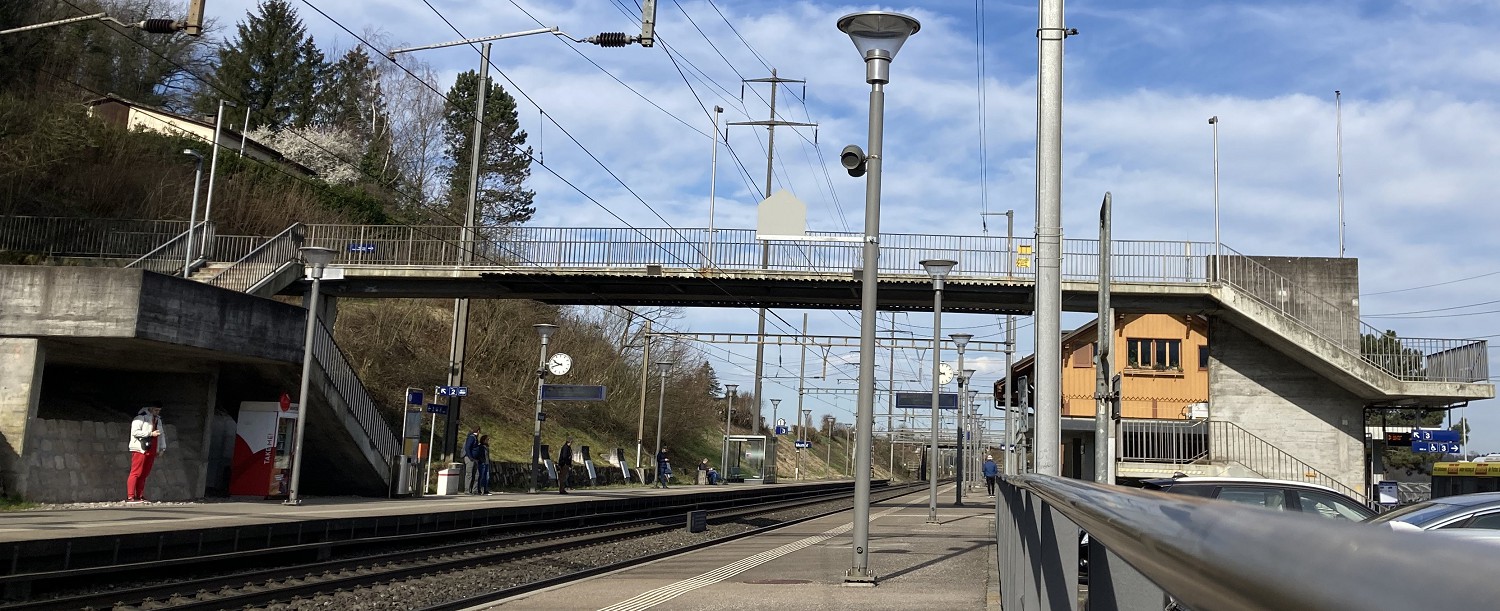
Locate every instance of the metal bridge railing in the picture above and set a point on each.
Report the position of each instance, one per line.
(76, 237)
(1184, 442)
(1151, 551)
(171, 257)
(264, 261)
(341, 375)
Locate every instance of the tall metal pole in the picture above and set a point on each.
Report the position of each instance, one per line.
(545, 331)
(937, 363)
(1338, 110)
(661, 399)
(187, 265)
(724, 455)
(206, 248)
(713, 176)
(640, 428)
(294, 493)
(1104, 456)
(244, 127)
(1214, 121)
(1048, 432)
(801, 389)
(458, 345)
(890, 413)
(1010, 390)
(958, 441)
(876, 74)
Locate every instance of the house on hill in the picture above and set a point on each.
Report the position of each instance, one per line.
(120, 112)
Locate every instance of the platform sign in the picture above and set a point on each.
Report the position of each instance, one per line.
(923, 400)
(572, 392)
(362, 248)
(437, 408)
(781, 430)
(453, 391)
(804, 444)
(1434, 435)
(414, 396)
(1435, 447)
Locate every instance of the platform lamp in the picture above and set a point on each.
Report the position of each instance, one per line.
(775, 403)
(545, 331)
(316, 259)
(969, 408)
(938, 269)
(187, 266)
(959, 341)
(729, 391)
(877, 35)
(662, 367)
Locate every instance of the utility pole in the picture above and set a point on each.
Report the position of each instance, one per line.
(1104, 456)
(765, 247)
(640, 429)
(1047, 432)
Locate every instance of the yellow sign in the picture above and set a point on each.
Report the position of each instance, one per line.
(1023, 261)
(1479, 469)
(1023, 250)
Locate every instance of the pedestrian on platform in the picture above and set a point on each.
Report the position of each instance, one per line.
(565, 466)
(483, 453)
(990, 472)
(663, 468)
(703, 472)
(146, 443)
(471, 460)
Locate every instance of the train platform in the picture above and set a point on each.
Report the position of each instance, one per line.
(947, 565)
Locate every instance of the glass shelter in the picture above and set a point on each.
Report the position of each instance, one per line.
(752, 459)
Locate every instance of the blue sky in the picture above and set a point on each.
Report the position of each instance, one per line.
(1421, 133)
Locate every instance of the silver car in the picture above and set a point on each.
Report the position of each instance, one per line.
(1478, 510)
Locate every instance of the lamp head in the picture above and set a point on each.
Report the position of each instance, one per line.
(961, 340)
(775, 402)
(1214, 120)
(545, 330)
(664, 366)
(193, 153)
(969, 373)
(878, 33)
(317, 257)
(939, 268)
(731, 388)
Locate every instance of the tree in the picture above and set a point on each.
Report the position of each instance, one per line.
(504, 164)
(1386, 352)
(351, 101)
(272, 66)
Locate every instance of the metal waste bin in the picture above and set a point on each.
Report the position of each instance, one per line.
(450, 481)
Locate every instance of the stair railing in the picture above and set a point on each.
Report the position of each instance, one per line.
(262, 263)
(1229, 442)
(170, 258)
(340, 374)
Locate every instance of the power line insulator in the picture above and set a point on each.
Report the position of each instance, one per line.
(611, 39)
(160, 26)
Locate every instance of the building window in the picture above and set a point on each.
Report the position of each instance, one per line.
(1083, 357)
(1156, 354)
(1203, 356)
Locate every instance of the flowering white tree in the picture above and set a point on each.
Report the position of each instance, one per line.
(330, 152)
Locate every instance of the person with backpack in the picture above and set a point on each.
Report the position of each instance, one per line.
(663, 468)
(471, 460)
(482, 449)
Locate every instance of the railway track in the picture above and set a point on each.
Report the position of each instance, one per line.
(301, 582)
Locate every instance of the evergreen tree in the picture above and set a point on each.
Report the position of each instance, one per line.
(504, 164)
(272, 65)
(353, 102)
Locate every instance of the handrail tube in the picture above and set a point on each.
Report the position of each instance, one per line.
(262, 262)
(168, 258)
(341, 375)
(1216, 556)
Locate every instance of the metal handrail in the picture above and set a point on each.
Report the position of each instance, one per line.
(1210, 555)
(262, 262)
(340, 374)
(75, 237)
(171, 257)
(1183, 442)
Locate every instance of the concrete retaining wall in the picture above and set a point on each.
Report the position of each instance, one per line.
(88, 461)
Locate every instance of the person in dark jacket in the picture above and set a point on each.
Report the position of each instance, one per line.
(482, 457)
(663, 468)
(564, 466)
(471, 460)
(990, 472)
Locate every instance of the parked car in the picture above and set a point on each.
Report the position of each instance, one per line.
(1478, 510)
(1269, 493)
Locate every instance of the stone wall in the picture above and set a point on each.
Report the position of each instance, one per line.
(78, 461)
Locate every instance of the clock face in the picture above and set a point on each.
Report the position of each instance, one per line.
(559, 364)
(945, 374)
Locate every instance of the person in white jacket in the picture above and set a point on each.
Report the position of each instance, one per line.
(147, 441)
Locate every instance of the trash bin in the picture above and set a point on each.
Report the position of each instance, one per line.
(450, 481)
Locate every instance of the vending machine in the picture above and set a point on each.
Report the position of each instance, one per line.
(265, 436)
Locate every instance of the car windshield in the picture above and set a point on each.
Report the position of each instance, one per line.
(1418, 515)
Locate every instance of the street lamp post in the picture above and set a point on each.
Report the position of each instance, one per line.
(661, 395)
(959, 341)
(1214, 121)
(729, 390)
(187, 266)
(878, 35)
(317, 259)
(938, 269)
(545, 331)
(775, 403)
(213, 170)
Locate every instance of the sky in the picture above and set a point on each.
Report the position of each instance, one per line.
(626, 134)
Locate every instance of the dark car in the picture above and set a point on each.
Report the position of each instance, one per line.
(1269, 493)
(1479, 510)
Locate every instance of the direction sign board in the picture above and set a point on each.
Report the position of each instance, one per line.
(804, 444)
(414, 396)
(572, 392)
(1444, 447)
(781, 429)
(437, 408)
(1433, 435)
(923, 400)
(781, 422)
(361, 248)
(453, 391)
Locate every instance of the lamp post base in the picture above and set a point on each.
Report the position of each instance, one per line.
(293, 502)
(858, 577)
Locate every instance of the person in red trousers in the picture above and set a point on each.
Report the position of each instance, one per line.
(146, 443)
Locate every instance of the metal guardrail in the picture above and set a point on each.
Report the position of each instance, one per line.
(76, 237)
(171, 256)
(1172, 442)
(341, 375)
(1179, 442)
(1152, 551)
(234, 247)
(262, 262)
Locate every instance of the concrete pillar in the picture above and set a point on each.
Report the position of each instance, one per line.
(22, 361)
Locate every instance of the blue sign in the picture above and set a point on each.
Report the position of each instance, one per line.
(572, 392)
(413, 396)
(1433, 435)
(437, 408)
(1443, 447)
(804, 444)
(453, 391)
(361, 248)
(923, 400)
(781, 430)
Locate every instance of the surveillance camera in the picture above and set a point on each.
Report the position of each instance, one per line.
(853, 160)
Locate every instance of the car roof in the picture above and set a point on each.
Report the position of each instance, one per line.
(1244, 481)
(1468, 500)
